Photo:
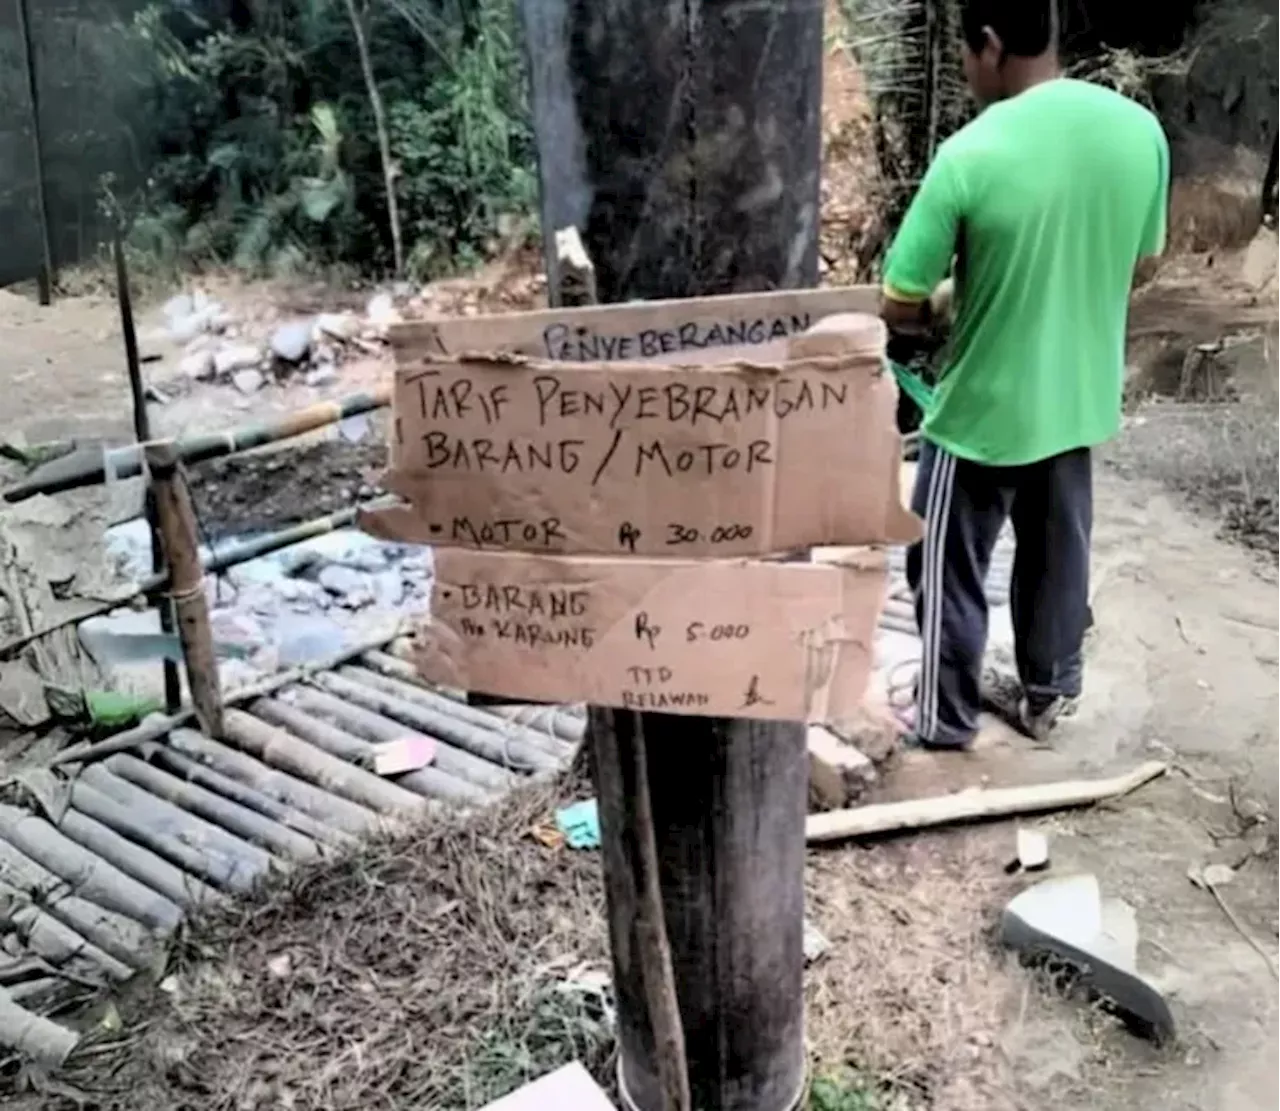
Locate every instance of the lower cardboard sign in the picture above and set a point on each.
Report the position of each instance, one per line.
(724, 638)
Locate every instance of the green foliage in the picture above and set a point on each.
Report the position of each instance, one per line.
(268, 158)
(844, 1093)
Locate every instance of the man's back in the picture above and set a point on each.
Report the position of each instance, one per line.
(1050, 198)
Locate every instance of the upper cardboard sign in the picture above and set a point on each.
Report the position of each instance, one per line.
(638, 330)
(777, 641)
(736, 458)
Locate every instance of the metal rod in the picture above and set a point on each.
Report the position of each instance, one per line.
(47, 276)
(126, 462)
(142, 433)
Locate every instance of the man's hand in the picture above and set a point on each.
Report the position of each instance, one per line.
(940, 304)
(929, 317)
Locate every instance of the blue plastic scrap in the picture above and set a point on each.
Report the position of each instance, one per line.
(580, 824)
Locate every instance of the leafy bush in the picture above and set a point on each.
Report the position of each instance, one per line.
(267, 154)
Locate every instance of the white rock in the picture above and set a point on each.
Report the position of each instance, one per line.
(248, 381)
(322, 376)
(342, 581)
(178, 306)
(198, 366)
(240, 356)
(382, 312)
(338, 325)
(292, 341)
(184, 329)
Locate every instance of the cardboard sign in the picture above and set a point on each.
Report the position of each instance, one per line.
(730, 459)
(776, 641)
(639, 330)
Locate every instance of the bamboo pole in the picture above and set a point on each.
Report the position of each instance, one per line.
(470, 728)
(123, 938)
(427, 782)
(181, 543)
(156, 726)
(40, 1039)
(86, 873)
(172, 845)
(559, 721)
(288, 789)
(126, 462)
(375, 727)
(132, 859)
(282, 750)
(253, 827)
(290, 817)
(59, 944)
(246, 863)
(969, 806)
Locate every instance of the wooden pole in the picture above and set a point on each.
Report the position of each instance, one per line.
(685, 145)
(47, 275)
(142, 433)
(176, 523)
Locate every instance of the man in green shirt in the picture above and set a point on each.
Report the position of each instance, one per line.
(1046, 203)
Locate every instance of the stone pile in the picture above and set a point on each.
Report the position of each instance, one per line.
(217, 346)
(300, 604)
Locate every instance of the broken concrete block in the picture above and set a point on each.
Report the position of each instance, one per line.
(872, 730)
(838, 772)
(567, 1089)
(1066, 918)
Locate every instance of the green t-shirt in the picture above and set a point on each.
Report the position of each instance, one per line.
(1046, 201)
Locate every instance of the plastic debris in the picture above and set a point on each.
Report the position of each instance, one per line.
(580, 824)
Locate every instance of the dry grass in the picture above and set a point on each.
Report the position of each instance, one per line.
(447, 967)
(438, 970)
(913, 991)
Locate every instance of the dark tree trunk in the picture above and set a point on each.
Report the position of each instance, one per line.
(684, 143)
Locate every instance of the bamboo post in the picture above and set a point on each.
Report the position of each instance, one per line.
(47, 276)
(177, 525)
(142, 433)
